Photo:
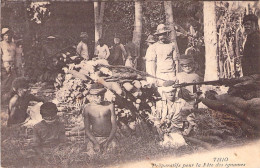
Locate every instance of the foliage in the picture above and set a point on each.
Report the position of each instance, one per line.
(118, 19)
(230, 38)
(153, 13)
(39, 12)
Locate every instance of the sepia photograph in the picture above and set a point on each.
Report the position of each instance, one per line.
(130, 83)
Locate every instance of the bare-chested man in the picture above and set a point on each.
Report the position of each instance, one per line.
(8, 50)
(8, 55)
(99, 120)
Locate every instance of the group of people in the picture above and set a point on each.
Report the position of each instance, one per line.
(174, 108)
(118, 54)
(99, 120)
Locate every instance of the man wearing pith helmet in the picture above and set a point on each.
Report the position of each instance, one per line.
(162, 56)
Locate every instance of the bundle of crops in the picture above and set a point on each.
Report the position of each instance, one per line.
(73, 90)
(126, 88)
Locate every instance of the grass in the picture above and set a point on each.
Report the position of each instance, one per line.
(132, 148)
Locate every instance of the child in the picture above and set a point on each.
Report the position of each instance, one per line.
(49, 132)
(99, 120)
(188, 75)
(102, 50)
(176, 111)
(19, 103)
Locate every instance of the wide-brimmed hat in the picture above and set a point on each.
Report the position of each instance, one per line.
(84, 35)
(150, 39)
(51, 37)
(4, 31)
(168, 86)
(97, 89)
(186, 59)
(161, 28)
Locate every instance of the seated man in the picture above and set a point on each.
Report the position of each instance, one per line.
(19, 103)
(99, 120)
(176, 112)
(50, 132)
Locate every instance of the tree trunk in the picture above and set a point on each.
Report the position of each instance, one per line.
(210, 39)
(170, 21)
(171, 25)
(101, 16)
(137, 34)
(27, 37)
(99, 8)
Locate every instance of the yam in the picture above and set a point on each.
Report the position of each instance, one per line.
(128, 86)
(144, 83)
(105, 71)
(113, 86)
(137, 84)
(138, 101)
(135, 94)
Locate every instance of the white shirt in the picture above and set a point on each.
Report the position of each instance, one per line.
(164, 55)
(102, 52)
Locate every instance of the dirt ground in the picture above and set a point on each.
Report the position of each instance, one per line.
(214, 128)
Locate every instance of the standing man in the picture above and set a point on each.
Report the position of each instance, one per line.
(150, 65)
(8, 50)
(82, 48)
(251, 56)
(160, 62)
(118, 53)
(8, 55)
(161, 57)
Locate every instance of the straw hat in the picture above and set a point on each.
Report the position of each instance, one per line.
(150, 39)
(161, 28)
(4, 31)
